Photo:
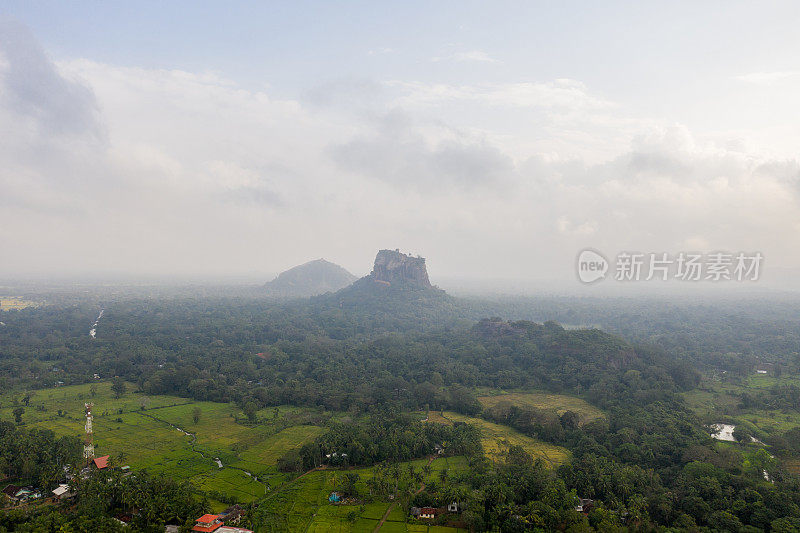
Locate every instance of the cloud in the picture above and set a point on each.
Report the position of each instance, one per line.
(36, 94)
(397, 151)
(768, 78)
(477, 56)
(105, 167)
(561, 94)
(380, 51)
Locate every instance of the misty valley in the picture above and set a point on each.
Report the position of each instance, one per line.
(385, 403)
(517, 266)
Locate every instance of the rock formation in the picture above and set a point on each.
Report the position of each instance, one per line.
(394, 267)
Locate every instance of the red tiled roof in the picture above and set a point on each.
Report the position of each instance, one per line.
(101, 462)
(207, 523)
(207, 529)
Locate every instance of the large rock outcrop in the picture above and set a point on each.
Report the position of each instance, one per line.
(394, 267)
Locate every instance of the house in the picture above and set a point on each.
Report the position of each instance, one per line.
(62, 492)
(428, 512)
(584, 505)
(170, 528)
(101, 462)
(11, 490)
(207, 523)
(232, 515)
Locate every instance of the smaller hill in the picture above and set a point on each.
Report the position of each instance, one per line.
(310, 279)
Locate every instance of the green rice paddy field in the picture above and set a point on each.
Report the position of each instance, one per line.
(163, 438)
(159, 434)
(150, 439)
(302, 505)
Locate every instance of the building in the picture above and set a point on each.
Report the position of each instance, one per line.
(207, 523)
(11, 490)
(428, 512)
(20, 494)
(101, 462)
(231, 515)
(62, 492)
(584, 505)
(453, 507)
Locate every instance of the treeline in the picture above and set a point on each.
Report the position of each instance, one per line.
(383, 437)
(36, 456)
(105, 499)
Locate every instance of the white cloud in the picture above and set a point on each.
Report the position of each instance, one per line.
(768, 78)
(133, 169)
(478, 56)
(563, 94)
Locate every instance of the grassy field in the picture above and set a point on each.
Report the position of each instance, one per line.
(497, 439)
(302, 505)
(159, 434)
(543, 400)
(716, 401)
(150, 439)
(14, 302)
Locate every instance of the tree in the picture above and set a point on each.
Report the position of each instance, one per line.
(250, 409)
(196, 412)
(118, 387)
(18, 412)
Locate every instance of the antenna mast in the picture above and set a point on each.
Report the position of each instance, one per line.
(88, 444)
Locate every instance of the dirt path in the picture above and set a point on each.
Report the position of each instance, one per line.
(391, 507)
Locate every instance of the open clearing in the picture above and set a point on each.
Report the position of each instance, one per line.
(158, 434)
(8, 303)
(498, 439)
(544, 400)
(302, 505)
(149, 439)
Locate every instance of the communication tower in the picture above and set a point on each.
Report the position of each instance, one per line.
(88, 443)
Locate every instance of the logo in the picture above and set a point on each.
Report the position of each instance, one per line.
(592, 266)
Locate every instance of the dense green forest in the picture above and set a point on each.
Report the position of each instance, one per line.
(377, 355)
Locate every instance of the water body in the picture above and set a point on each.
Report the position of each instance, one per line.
(723, 432)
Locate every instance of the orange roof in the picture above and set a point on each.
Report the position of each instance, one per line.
(101, 462)
(207, 529)
(207, 518)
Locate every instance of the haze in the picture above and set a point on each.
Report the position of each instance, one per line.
(496, 139)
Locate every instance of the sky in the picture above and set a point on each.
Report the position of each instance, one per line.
(496, 139)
